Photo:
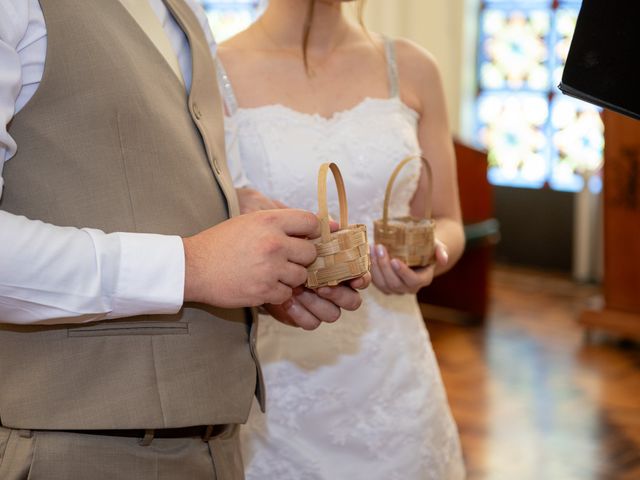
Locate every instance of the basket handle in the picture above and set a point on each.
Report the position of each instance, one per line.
(396, 171)
(323, 215)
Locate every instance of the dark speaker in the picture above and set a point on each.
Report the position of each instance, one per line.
(603, 66)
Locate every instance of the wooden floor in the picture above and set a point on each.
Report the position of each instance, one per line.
(532, 398)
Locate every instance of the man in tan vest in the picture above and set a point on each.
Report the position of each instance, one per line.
(125, 350)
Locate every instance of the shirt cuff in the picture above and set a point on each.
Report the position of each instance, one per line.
(151, 275)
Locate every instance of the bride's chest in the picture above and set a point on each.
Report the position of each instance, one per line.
(282, 149)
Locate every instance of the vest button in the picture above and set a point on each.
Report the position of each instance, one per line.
(196, 111)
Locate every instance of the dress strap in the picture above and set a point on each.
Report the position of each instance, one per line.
(224, 84)
(392, 66)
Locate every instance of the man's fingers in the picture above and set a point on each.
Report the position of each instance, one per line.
(324, 310)
(361, 283)
(293, 275)
(300, 251)
(302, 317)
(279, 294)
(343, 297)
(294, 222)
(279, 313)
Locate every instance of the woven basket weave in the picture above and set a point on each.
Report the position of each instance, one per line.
(344, 254)
(409, 239)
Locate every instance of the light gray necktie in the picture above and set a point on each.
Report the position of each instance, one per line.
(149, 22)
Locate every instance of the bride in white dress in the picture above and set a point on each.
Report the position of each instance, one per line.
(361, 398)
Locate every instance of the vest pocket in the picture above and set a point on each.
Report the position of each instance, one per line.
(114, 328)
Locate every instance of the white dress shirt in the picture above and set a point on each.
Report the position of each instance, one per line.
(51, 274)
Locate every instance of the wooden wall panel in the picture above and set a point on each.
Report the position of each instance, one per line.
(621, 312)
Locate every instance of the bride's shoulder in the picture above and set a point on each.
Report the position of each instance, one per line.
(419, 74)
(415, 62)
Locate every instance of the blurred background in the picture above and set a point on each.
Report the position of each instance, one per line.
(537, 328)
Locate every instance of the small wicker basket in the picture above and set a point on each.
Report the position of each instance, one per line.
(409, 239)
(344, 254)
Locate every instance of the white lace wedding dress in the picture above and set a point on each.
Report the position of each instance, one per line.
(361, 398)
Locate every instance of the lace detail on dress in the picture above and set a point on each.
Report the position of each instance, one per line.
(345, 390)
(366, 142)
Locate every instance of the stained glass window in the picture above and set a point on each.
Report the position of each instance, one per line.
(228, 17)
(535, 135)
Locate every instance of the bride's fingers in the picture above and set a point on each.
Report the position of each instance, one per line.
(413, 279)
(409, 278)
(393, 282)
(442, 255)
(251, 200)
(376, 274)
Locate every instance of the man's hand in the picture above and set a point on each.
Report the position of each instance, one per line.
(251, 259)
(308, 308)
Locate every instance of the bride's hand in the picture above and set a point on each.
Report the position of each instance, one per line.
(251, 200)
(393, 276)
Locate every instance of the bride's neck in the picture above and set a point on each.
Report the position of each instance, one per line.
(283, 22)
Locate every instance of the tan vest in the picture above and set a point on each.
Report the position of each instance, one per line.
(111, 141)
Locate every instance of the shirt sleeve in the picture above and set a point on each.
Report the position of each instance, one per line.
(13, 26)
(51, 274)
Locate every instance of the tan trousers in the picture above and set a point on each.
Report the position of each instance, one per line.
(42, 455)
